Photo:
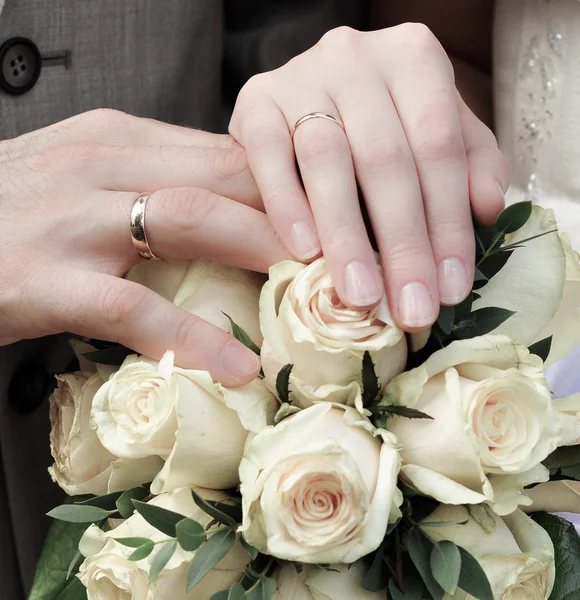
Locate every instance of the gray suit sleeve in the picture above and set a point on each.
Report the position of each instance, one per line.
(264, 34)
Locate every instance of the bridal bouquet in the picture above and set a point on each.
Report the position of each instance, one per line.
(362, 464)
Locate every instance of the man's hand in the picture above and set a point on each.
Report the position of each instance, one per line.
(66, 194)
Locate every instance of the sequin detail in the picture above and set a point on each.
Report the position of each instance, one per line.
(539, 76)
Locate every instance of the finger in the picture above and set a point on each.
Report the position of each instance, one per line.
(224, 171)
(489, 172)
(327, 170)
(388, 178)
(263, 132)
(433, 129)
(113, 127)
(185, 223)
(106, 307)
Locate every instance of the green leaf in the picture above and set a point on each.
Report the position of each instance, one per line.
(400, 411)
(514, 217)
(473, 579)
(221, 595)
(113, 355)
(413, 589)
(482, 515)
(420, 549)
(124, 503)
(565, 461)
(161, 559)
(567, 555)
(283, 383)
(485, 237)
(481, 321)
(479, 276)
(107, 501)
(376, 578)
(446, 318)
(494, 263)
(143, 551)
(263, 589)
(446, 565)
(162, 519)
(132, 542)
(214, 510)
(58, 562)
(253, 552)
(370, 381)
(236, 592)
(542, 348)
(443, 523)
(190, 534)
(78, 513)
(242, 336)
(209, 555)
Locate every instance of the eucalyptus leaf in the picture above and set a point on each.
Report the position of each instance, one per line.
(209, 555)
(236, 592)
(242, 336)
(473, 579)
(481, 321)
(124, 503)
(446, 565)
(143, 551)
(420, 549)
(485, 237)
(283, 383)
(161, 559)
(479, 276)
(514, 217)
(494, 263)
(412, 589)
(107, 501)
(132, 542)
(190, 534)
(567, 555)
(222, 595)
(113, 355)
(483, 516)
(370, 381)
(162, 519)
(542, 348)
(263, 589)
(253, 552)
(214, 510)
(74, 564)
(446, 318)
(376, 578)
(78, 513)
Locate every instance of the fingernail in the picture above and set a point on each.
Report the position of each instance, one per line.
(416, 305)
(305, 241)
(361, 285)
(452, 281)
(239, 361)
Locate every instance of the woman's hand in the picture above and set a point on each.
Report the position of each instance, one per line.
(420, 156)
(66, 194)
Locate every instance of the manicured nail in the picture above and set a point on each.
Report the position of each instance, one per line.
(452, 280)
(305, 241)
(416, 305)
(239, 361)
(361, 285)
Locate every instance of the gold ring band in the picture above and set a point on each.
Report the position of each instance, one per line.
(315, 115)
(138, 235)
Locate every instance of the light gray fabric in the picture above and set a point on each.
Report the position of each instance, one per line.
(150, 58)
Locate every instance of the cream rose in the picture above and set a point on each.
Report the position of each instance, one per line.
(320, 486)
(339, 582)
(492, 416)
(150, 408)
(517, 556)
(560, 496)
(109, 575)
(82, 465)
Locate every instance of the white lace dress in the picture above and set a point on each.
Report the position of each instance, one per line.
(537, 112)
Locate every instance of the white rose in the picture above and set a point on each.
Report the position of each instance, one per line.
(305, 324)
(150, 408)
(539, 268)
(492, 415)
(561, 496)
(339, 582)
(207, 290)
(517, 556)
(82, 464)
(109, 575)
(320, 486)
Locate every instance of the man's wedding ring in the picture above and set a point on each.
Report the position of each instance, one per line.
(315, 115)
(138, 235)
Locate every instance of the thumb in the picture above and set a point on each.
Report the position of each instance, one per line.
(108, 308)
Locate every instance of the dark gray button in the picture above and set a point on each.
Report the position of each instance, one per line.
(20, 65)
(28, 388)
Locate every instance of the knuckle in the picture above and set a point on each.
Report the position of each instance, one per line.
(342, 236)
(382, 153)
(339, 39)
(120, 304)
(189, 209)
(104, 117)
(405, 253)
(229, 163)
(439, 143)
(419, 36)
